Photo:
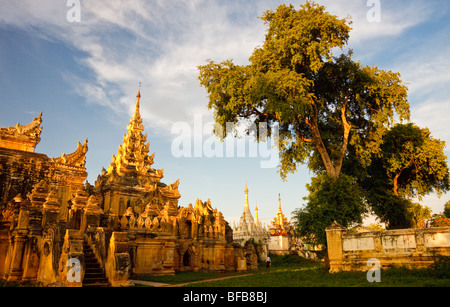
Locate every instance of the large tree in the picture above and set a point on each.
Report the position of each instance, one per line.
(320, 103)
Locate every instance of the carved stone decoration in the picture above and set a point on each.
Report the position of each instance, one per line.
(39, 194)
(51, 209)
(75, 159)
(49, 255)
(92, 213)
(118, 264)
(22, 137)
(78, 201)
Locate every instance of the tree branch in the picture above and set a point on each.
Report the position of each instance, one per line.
(347, 128)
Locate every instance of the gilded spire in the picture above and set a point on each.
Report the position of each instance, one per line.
(246, 196)
(132, 156)
(247, 214)
(137, 107)
(279, 202)
(280, 224)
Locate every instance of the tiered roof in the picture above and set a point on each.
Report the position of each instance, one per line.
(280, 226)
(132, 157)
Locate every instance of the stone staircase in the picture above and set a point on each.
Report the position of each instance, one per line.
(94, 275)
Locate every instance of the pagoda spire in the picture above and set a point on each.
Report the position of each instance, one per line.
(256, 216)
(279, 203)
(246, 195)
(247, 213)
(132, 156)
(137, 107)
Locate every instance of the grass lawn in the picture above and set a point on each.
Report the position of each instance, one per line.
(294, 271)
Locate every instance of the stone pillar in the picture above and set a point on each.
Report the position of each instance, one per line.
(334, 246)
(50, 210)
(168, 256)
(118, 264)
(92, 214)
(4, 248)
(16, 272)
(239, 258)
(71, 264)
(220, 256)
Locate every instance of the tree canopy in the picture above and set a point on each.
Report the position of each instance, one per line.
(320, 102)
(340, 117)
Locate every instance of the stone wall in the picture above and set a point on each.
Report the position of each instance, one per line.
(412, 248)
(279, 244)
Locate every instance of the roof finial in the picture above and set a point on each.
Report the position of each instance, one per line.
(279, 202)
(139, 92)
(138, 97)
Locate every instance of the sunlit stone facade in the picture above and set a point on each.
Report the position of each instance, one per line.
(129, 223)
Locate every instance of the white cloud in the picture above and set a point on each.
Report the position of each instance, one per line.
(428, 86)
(161, 43)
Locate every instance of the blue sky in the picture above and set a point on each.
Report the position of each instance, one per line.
(84, 76)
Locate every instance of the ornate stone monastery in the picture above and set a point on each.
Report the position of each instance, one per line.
(55, 229)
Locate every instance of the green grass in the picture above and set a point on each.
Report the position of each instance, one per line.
(294, 271)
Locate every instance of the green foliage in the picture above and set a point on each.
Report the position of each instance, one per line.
(329, 200)
(390, 209)
(290, 260)
(441, 267)
(446, 212)
(319, 102)
(417, 214)
(414, 161)
(375, 227)
(411, 164)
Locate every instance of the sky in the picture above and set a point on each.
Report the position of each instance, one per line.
(80, 63)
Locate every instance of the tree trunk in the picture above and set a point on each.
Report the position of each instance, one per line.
(396, 184)
(329, 167)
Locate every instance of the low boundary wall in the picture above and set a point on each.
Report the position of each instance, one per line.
(412, 248)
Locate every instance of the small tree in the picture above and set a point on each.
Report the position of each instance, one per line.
(414, 161)
(330, 199)
(411, 164)
(418, 214)
(446, 212)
